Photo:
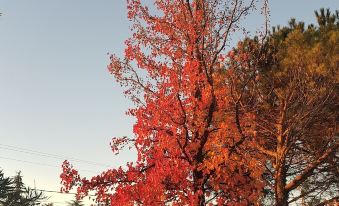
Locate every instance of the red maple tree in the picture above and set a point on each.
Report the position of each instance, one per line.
(189, 124)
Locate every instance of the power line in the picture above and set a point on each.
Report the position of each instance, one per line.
(64, 193)
(52, 191)
(49, 155)
(38, 163)
(58, 192)
(44, 190)
(56, 202)
(34, 152)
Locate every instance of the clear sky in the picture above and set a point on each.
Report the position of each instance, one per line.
(56, 95)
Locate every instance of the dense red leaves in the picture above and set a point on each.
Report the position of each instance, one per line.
(187, 126)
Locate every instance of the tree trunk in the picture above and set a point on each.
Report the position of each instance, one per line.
(199, 187)
(281, 195)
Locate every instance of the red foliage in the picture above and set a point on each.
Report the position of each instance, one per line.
(187, 130)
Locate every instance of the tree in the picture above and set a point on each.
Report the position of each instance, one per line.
(294, 93)
(187, 129)
(14, 193)
(5, 187)
(75, 203)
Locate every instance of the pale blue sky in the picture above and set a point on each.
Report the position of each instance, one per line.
(56, 95)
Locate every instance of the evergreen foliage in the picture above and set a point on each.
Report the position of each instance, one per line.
(13, 192)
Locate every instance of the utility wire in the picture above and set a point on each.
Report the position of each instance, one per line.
(38, 163)
(33, 152)
(64, 193)
(58, 192)
(36, 154)
(44, 190)
(48, 155)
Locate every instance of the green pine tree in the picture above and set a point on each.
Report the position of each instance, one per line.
(13, 192)
(75, 203)
(6, 187)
